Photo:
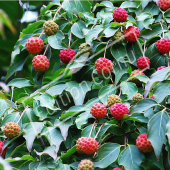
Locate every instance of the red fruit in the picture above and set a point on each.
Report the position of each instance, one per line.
(164, 4)
(137, 72)
(117, 169)
(86, 165)
(118, 110)
(120, 15)
(1, 146)
(143, 62)
(66, 55)
(103, 66)
(160, 68)
(143, 144)
(11, 130)
(87, 145)
(152, 97)
(99, 110)
(132, 33)
(34, 45)
(163, 45)
(40, 63)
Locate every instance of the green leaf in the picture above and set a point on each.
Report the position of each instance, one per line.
(155, 57)
(49, 151)
(143, 105)
(109, 32)
(83, 6)
(17, 64)
(105, 92)
(39, 111)
(93, 34)
(168, 131)
(19, 82)
(77, 28)
(31, 130)
(156, 29)
(64, 126)
(4, 165)
(56, 90)
(69, 152)
(55, 41)
(156, 131)
(46, 101)
(24, 158)
(128, 4)
(4, 105)
(144, 4)
(129, 89)
(107, 154)
(78, 91)
(156, 77)
(119, 70)
(32, 27)
(119, 52)
(131, 158)
(53, 136)
(134, 51)
(161, 90)
(82, 119)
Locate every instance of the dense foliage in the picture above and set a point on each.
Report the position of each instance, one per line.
(54, 103)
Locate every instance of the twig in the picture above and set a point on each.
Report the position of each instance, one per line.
(92, 129)
(144, 48)
(42, 143)
(57, 12)
(22, 114)
(106, 48)
(99, 130)
(41, 34)
(46, 49)
(162, 28)
(12, 95)
(69, 40)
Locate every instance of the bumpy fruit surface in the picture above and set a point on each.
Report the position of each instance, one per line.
(11, 130)
(119, 37)
(99, 110)
(86, 165)
(40, 63)
(143, 62)
(131, 33)
(164, 4)
(117, 169)
(1, 146)
(34, 45)
(160, 68)
(104, 66)
(50, 28)
(66, 55)
(120, 15)
(87, 145)
(83, 46)
(118, 110)
(137, 97)
(135, 80)
(163, 45)
(113, 99)
(143, 144)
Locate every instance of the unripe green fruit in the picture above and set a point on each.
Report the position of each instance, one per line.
(84, 46)
(50, 28)
(119, 37)
(113, 99)
(137, 97)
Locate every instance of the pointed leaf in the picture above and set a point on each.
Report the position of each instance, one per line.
(156, 131)
(131, 158)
